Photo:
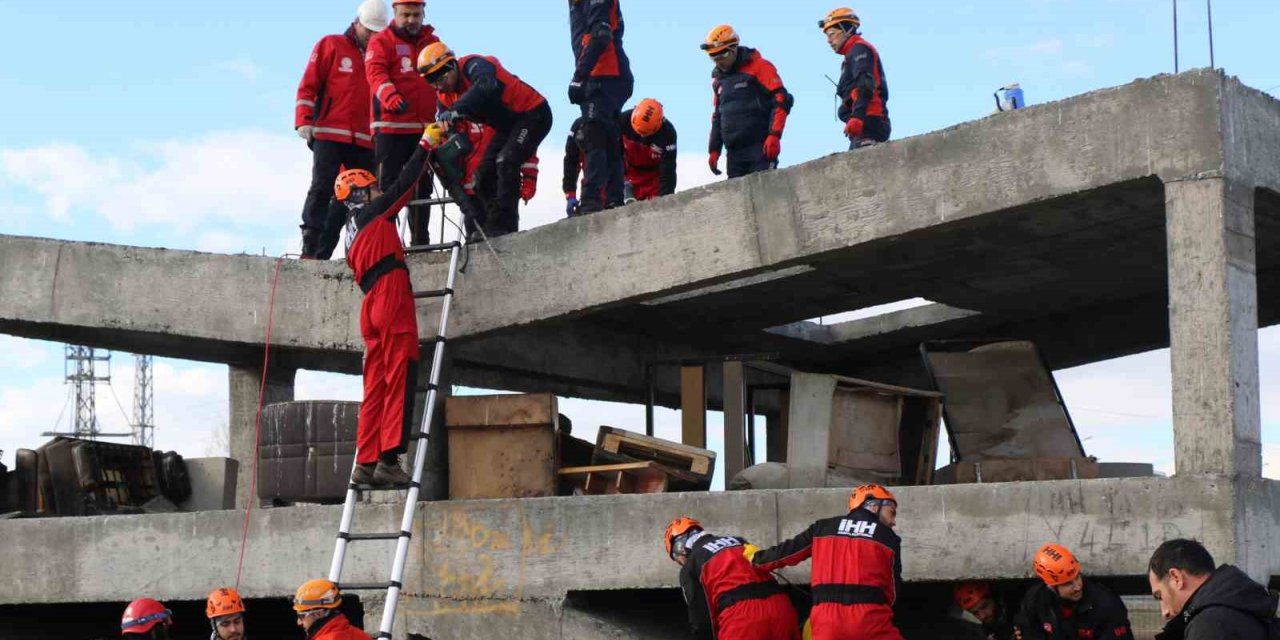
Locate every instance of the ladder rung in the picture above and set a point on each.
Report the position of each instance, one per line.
(417, 435)
(383, 487)
(429, 387)
(431, 340)
(434, 293)
(367, 586)
(424, 248)
(375, 536)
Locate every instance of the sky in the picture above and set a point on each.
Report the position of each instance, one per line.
(163, 125)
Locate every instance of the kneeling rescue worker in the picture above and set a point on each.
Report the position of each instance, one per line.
(749, 106)
(225, 611)
(728, 598)
(388, 322)
(648, 153)
(479, 89)
(146, 618)
(316, 603)
(976, 598)
(856, 570)
(1067, 606)
(863, 91)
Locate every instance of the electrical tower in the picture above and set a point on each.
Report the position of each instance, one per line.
(143, 411)
(82, 372)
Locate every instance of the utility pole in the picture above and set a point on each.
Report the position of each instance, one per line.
(83, 369)
(143, 409)
(1175, 36)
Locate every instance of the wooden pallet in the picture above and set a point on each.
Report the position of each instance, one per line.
(609, 479)
(699, 463)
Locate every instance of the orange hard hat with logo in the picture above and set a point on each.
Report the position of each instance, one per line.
(223, 601)
(1056, 565)
(720, 39)
(869, 492)
(969, 595)
(841, 16)
(350, 180)
(647, 118)
(433, 58)
(317, 594)
(680, 526)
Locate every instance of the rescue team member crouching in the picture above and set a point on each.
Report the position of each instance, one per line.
(388, 322)
(1200, 602)
(456, 156)
(225, 611)
(977, 598)
(402, 102)
(316, 603)
(863, 91)
(602, 82)
(479, 89)
(856, 569)
(728, 598)
(648, 153)
(1066, 606)
(332, 115)
(146, 618)
(749, 106)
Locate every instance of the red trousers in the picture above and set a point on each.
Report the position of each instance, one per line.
(829, 621)
(389, 327)
(771, 618)
(644, 182)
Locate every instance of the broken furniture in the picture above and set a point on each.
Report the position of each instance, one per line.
(502, 446)
(629, 462)
(306, 451)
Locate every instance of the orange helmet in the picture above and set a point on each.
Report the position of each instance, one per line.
(682, 525)
(969, 595)
(869, 492)
(647, 117)
(349, 181)
(317, 594)
(720, 39)
(433, 58)
(223, 601)
(843, 15)
(1056, 565)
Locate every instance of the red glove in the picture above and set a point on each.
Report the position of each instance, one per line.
(395, 103)
(528, 182)
(714, 161)
(772, 147)
(853, 128)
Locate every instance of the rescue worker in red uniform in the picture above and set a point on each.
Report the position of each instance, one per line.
(648, 154)
(728, 598)
(402, 102)
(602, 82)
(456, 157)
(479, 89)
(749, 106)
(862, 90)
(856, 570)
(146, 618)
(316, 603)
(388, 322)
(1067, 606)
(332, 115)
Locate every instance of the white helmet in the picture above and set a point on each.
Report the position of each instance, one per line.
(372, 14)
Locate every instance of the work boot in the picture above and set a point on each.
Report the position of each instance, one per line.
(363, 474)
(389, 472)
(311, 239)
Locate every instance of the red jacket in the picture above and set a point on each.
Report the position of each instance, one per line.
(391, 65)
(856, 559)
(336, 627)
(716, 577)
(333, 96)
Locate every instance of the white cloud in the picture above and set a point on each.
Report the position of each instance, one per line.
(23, 353)
(243, 68)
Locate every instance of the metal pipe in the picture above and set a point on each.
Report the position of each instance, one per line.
(1175, 36)
(1208, 7)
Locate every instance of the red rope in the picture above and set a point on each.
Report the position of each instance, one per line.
(257, 436)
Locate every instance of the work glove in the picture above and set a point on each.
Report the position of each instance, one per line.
(395, 103)
(749, 551)
(306, 132)
(577, 92)
(714, 162)
(853, 128)
(772, 147)
(528, 182)
(570, 204)
(448, 116)
(433, 135)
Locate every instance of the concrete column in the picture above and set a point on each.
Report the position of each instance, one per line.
(775, 429)
(809, 433)
(244, 383)
(735, 414)
(1213, 327)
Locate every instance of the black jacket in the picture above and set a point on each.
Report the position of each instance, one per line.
(1230, 606)
(1099, 615)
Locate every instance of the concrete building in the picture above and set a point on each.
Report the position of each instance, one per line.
(1112, 223)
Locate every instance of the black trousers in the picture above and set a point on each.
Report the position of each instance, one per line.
(508, 150)
(392, 151)
(746, 160)
(322, 217)
(874, 130)
(602, 142)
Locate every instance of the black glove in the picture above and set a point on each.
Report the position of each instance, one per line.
(577, 92)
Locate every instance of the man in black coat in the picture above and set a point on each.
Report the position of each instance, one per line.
(1200, 602)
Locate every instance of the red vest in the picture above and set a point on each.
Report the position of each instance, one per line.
(333, 95)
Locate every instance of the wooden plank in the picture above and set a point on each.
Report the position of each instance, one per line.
(503, 446)
(504, 410)
(735, 413)
(693, 405)
(672, 454)
(608, 479)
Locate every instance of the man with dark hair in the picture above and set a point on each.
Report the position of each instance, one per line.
(1199, 602)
